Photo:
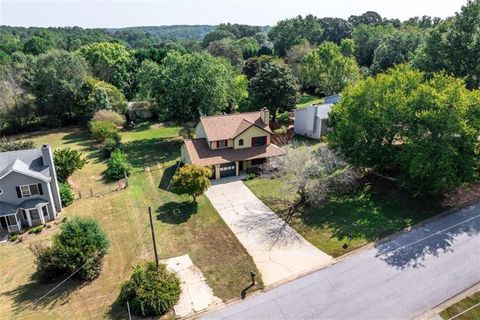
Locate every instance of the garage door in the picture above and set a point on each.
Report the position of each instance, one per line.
(227, 170)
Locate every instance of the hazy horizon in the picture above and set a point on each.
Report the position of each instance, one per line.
(120, 14)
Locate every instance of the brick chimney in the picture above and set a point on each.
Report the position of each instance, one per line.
(265, 115)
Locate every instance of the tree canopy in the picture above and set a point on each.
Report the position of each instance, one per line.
(424, 130)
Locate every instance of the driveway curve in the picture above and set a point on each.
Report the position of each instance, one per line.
(278, 251)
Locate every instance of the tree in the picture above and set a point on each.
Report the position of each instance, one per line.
(118, 165)
(66, 194)
(249, 47)
(109, 116)
(425, 129)
(312, 174)
(190, 85)
(79, 247)
(58, 78)
(67, 161)
(102, 95)
(367, 39)
(253, 65)
(454, 39)
(109, 61)
(295, 56)
(227, 49)
(36, 45)
(192, 180)
(335, 29)
(17, 104)
(289, 32)
(329, 70)
(367, 18)
(10, 43)
(216, 36)
(151, 291)
(275, 88)
(396, 48)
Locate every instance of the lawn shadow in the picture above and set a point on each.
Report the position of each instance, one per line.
(167, 176)
(176, 212)
(148, 152)
(82, 139)
(27, 296)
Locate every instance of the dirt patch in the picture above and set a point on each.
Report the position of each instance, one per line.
(463, 196)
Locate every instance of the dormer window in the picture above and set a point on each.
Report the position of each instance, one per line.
(222, 143)
(240, 142)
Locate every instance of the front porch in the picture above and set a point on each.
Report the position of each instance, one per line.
(237, 168)
(29, 213)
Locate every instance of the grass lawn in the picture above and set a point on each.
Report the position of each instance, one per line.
(307, 100)
(472, 314)
(366, 215)
(181, 228)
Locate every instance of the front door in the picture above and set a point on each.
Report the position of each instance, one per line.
(240, 166)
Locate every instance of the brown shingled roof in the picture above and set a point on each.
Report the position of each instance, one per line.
(224, 127)
(202, 155)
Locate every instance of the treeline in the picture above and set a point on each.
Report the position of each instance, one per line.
(61, 76)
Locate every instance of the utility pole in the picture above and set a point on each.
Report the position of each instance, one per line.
(128, 308)
(153, 235)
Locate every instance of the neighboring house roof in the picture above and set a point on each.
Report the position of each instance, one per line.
(29, 162)
(202, 155)
(32, 203)
(7, 209)
(224, 127)
(19, 166)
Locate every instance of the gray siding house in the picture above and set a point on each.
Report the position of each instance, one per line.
(29, 191)
(312, 121)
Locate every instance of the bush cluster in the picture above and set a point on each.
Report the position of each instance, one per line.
(36, 230)
(67, 161)
(109, 116)
(102, 130)
(151, 291)
(117, 165)
(80, 244)
(7, 144)
(66, 194)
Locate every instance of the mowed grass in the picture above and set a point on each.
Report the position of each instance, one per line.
(463, 305)
(307, 100)
(366, 215)
(180, 228)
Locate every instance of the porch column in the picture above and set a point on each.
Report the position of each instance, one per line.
(217, 171)
(18, 222)
(237, 169)
(29, 217)
(40, 214)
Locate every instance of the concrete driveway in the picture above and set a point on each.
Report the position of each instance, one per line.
(278, 251)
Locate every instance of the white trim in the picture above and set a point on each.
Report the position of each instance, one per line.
(29, 190)
(52, 203)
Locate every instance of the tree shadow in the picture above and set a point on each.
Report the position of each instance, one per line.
(27, 296)
(410, 249)
(176, 212)
(82, 138)
(148, 152)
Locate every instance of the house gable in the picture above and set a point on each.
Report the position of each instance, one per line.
(248, 134)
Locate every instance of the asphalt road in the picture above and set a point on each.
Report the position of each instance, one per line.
(398, 279)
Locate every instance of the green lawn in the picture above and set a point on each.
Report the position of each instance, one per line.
(181, 228)
(307, 100)
(366, 215)
(472, 314)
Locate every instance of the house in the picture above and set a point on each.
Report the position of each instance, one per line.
(231, 144)
(29, 191)
(312, 121)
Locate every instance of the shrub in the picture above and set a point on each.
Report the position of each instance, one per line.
(66, 162)
(80, 243)
(7, 144)
(117, 165)
(101, 130)
(36, 230)
(192, 180)
(66, 194)
(13, 237)
(109, 116)
(109, 145)
(151, 291)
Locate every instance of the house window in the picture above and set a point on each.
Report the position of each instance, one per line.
(34, 214)
(222, 143)
(29, 190)
(45, 211)
(259, 141)
(240, 142)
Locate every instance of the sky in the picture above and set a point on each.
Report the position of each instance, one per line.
(122, 13)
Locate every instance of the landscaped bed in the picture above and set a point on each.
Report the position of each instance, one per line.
(462, 306)
(374, 211)
(181, 228)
